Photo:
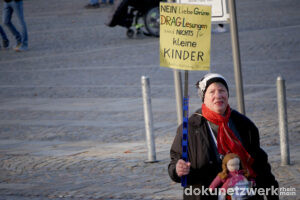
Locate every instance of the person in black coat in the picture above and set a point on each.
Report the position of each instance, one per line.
(213, 131)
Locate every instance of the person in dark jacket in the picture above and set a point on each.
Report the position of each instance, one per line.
(213, 131)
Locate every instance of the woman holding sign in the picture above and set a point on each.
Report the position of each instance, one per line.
(214, 131)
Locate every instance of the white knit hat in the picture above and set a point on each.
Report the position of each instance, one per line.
(208, 79)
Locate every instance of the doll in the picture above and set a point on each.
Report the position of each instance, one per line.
(231, 176)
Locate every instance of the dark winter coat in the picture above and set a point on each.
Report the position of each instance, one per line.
(204, 163)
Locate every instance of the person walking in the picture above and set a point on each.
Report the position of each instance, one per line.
(16, 6)
(213, 131)
(5, 41)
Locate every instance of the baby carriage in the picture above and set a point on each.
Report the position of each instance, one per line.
(138, 16)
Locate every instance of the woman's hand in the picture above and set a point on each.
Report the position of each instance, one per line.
(182, 167)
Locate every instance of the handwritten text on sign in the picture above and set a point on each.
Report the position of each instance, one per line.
(185, 32)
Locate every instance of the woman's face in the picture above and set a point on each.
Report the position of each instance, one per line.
(216, 98)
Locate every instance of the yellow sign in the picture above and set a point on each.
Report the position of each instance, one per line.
(185, 32)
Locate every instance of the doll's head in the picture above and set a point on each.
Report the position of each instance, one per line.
(230, 163)
(233, 164)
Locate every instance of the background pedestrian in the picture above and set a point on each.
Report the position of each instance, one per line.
(16, 6)
(5, 41)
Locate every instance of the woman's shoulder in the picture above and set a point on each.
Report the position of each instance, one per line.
(196, 119)
(241, 118)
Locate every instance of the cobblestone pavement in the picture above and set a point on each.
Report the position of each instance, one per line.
(71, 113)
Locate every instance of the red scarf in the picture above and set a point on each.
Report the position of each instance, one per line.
(227, 141)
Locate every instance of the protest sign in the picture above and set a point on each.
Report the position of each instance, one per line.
(185, 35)
(219, 12)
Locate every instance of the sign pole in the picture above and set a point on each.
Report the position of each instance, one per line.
(186, 88)
(185, 124)
(236, 57)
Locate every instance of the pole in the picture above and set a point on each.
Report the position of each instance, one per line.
(148, 119)
(186, 86)
(236, 57)
(185, 125)
(178, 94)
(282, 117)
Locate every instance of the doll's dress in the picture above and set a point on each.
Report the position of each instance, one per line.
(234, 180)
(239, 183)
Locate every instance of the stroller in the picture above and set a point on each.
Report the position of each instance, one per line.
(138, 16)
